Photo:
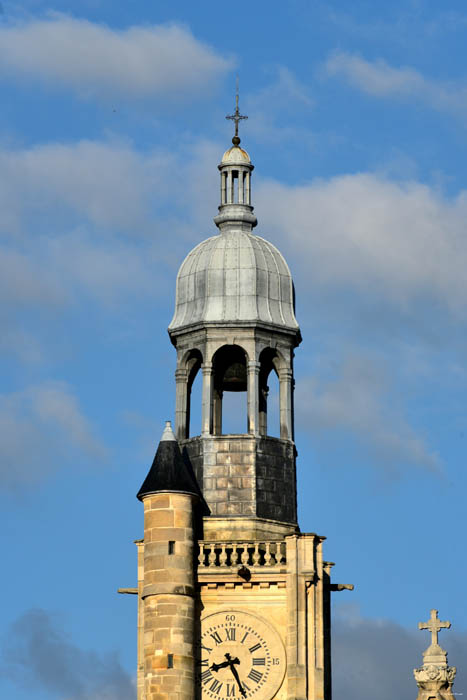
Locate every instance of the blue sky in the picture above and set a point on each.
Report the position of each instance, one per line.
(111, 128)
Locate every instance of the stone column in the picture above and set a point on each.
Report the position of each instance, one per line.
(217, 395)
(223, 188)
(285, 403)
(206, 411)
(248, 189)
(253, 397)
(241, 175)
(181, 404)
(168, 595)
(263, 410)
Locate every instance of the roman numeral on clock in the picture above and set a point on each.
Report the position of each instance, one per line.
(231, 690)
(259, 661)
(255, 648)
(216, 686)
(206, 676)
(255, 675)
(230, 634)
(216, 637)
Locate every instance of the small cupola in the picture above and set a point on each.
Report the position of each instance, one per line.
(235, 209)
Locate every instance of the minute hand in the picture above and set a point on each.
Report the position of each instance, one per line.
(235, 675)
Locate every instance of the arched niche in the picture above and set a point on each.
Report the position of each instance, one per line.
(185, 377)
(230, 377)
(193, 364)
(270, 363)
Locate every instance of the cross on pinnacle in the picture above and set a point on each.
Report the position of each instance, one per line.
(434, 625)
(236, 117)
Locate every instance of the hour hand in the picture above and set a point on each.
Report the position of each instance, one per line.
(216, 667)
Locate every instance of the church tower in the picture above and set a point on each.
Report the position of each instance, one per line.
(234, 601)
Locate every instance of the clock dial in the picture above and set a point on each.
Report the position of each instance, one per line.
(240, 656)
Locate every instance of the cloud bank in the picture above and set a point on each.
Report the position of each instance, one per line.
(379, 79)
(94, 60)
(401, 242)
(375, 658)
(38, 654)
(41, 427)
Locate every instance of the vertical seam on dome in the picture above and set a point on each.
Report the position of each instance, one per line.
(279, 281)
(207, 269)
(267, 291)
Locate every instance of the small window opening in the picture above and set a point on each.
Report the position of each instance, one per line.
(171, 547)
(170, 660)
(235, 186)
(194, 395)
(269, 410)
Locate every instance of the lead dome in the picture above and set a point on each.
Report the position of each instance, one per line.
(235, 276)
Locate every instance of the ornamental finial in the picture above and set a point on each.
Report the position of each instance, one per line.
(236, 117)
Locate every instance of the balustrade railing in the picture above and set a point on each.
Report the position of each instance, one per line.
(233, 554)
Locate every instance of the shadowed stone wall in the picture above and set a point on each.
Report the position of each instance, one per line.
(244, 475)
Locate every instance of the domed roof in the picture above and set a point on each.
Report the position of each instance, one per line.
(235, 154)
(234, 277)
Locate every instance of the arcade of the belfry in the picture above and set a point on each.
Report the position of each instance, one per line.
(233, 599)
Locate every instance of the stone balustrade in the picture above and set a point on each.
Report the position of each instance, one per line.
(227, 555)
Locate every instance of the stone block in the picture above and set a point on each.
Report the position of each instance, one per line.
(159, 518)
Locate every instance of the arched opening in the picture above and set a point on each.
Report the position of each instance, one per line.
(229, 399)
(193, 394)
(269, 410)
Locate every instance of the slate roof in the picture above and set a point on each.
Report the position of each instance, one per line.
(170, 471)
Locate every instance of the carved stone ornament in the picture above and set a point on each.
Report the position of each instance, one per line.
(430, 672)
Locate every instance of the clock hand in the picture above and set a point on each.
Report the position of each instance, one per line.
(216, 667)
(235, 675)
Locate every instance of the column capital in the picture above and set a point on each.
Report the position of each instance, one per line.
(181, 373)
(206, 367)
(253, 365)
(285, 373)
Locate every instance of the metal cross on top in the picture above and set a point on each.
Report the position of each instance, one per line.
(434, 625)
(236, 117)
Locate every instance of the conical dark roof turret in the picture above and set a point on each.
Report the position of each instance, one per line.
(169, 470)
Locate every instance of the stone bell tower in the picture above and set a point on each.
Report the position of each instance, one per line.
(234, 322)
(234, 601)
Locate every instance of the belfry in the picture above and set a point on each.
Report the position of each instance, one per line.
(233, 600)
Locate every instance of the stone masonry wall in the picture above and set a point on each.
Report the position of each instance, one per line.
(244, 475)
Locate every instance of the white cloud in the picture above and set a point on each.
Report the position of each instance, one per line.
(164, 61)
(355, 398)
(40, 428)
(379, 79)
(397, 243)
(109, 184)
(93, 217)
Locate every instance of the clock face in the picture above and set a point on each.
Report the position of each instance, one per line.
(241, 656)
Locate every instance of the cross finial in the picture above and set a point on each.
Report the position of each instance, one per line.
(236, 117)
(434, 625)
